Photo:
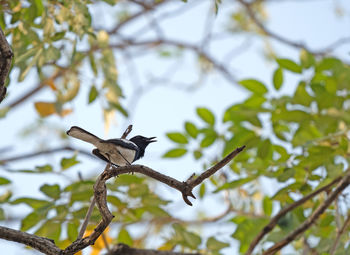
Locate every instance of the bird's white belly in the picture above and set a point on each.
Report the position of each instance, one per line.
(116, 154)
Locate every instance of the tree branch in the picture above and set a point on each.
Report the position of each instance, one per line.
(275, 219)
(339, 234)
(42, 244)
(163, 41)
(123, 249)
(44, 152)
(345, 181)
(136, 15)
(6, 56)
(100, 196)
(38, 87)
(248, 6)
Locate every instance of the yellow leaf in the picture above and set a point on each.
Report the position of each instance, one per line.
(257, 196)
(99, 243)
(51, 84)
(109, 116)
(44, 108)
(166, 247)
(65, 112)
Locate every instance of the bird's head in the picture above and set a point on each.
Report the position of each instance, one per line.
(142, 142)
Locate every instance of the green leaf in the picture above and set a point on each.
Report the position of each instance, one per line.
(202, 190)
(177, 137)
(246, 230)
(197, 154)
(3, 112)
(289, 65)
(186, 238)
(267, 206)
(175, 153)
(93, 93)
(2, 214)
(126, 180)
(32, 202)
(39, 7)
(208, 140)
(287, 174)
(235, 184)
(58, 36)
(69, 162)
(278, 78)
(44, 168)
(52, 191)
(120, 108)
(264, 149)
(72, 230)
(206, 115)
(301, 96)
(4, 181)
(254, 86)
(138, 190)
(191, 129)
(31, 220)
(5, 197)
(215, 245)
(124, 237)
(307, 60)
(50, 229)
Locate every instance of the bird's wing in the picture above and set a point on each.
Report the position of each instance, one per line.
(123, 143)
(84, 135)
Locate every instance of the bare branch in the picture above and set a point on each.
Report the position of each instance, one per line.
(127, 132)
(42, 244)
(339, 234)
(345, 181)
(164, 41)
(87, 218)
(275, 219)
(184, 187)
(136, 15)
(194, 182)
(6, 56)
(123, 249)
(248, 6)
(38, 87)
(44, 152)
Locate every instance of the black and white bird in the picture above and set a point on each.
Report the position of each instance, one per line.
(120, 152)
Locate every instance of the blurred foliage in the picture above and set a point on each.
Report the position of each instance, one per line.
(298, 141)
(47, 38)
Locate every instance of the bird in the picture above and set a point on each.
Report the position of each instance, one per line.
(119, 152)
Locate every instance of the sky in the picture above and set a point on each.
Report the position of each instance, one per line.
(164, 108)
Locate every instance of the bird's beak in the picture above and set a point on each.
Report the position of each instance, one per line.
(151, 139)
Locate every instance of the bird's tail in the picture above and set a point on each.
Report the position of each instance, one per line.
(82, 134)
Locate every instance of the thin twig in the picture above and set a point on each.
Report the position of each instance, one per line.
(104, 239)
(194, 182)
(127, 132)
(248, 6)
(87, 218)
(123, 249)
(44, 152)
(339, 234)
(277, 217)
(164, 41)
(344, 183)
(135, 16)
